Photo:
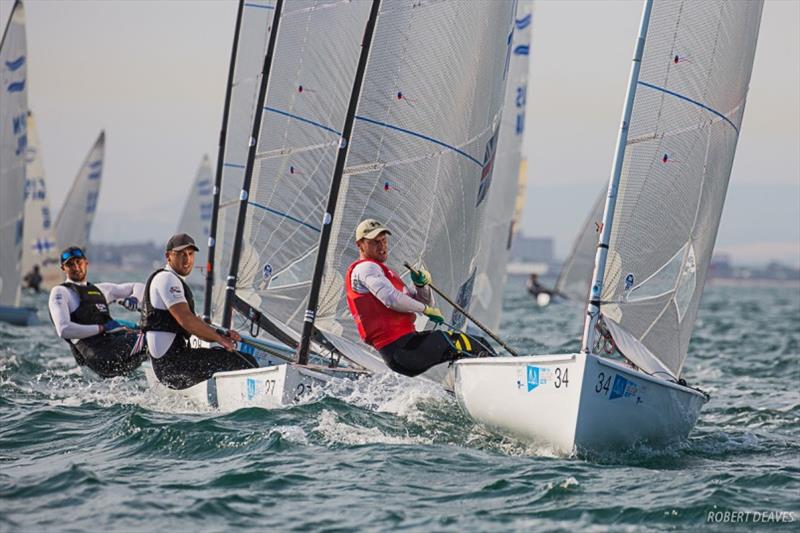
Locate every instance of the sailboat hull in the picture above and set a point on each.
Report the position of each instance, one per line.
(268, 387)
(18, 316)
(575, 402)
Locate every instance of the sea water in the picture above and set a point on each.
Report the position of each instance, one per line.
(389, 452)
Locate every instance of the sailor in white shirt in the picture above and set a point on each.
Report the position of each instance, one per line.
(168, 319)
(79, 311)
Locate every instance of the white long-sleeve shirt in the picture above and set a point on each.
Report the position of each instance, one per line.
(64, 301)
(368, 277)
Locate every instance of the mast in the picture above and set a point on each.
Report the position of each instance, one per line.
(593, 308)
(330, 208)
(223, 133)
(230, 287)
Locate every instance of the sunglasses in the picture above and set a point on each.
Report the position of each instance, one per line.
(69, 254)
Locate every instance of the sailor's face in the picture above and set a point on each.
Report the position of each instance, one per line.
(76, 269)
(181, 261)
(376, 249)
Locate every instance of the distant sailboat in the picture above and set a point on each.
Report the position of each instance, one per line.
(13, 144)
(74, 222)
(38, 243)
(681, 121)
(509, 179)
(196, 217)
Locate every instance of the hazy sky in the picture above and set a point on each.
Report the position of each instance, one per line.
(153, 74)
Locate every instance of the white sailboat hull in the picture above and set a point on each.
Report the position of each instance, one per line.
(575, 402)
(267, 387)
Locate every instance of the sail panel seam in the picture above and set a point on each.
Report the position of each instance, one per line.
(301, 119)
(695, 102)
(284, 215)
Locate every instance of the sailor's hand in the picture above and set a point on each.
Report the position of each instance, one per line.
(112, 326)
(234, 335)
(131, 303)
(226, 343)
(420, 277)
(434, 314)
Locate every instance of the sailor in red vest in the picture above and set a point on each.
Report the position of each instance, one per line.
(385, 309)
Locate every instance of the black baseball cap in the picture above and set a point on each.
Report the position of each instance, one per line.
(72, 252)
(180, 241)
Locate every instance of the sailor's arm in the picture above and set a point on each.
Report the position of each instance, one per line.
(195, 326)
(379, 285)
(59, 311)
(120, 291)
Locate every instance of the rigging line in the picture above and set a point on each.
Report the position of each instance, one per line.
(301, 119)
(284, 215)
(695, 102)
(233, 165)
(421, 136)
(259, 6)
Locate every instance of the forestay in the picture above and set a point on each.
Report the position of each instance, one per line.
(38, 243)
(309, 85)
(499, 221)
(74, 222)
(575, 277)
(197, 211)
(255, 27)
(423, 146)
(686, 115)
(13, 139)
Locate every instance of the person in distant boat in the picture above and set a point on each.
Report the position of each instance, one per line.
(168, 320)
(535, 288)
(33, 279)
(384, 309)
(80, 314)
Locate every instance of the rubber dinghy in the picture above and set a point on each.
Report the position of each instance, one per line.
(376, 134)
(680, 125)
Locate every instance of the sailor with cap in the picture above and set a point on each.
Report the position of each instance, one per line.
(79, 311)
(168, 319)
(384, 308)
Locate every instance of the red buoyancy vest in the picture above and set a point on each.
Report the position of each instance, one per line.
(377, 324)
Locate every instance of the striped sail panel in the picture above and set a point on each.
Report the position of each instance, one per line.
(13, 140)
(423, 145)
(498, 225)
(309, 87)
(575, 278)
(74, 222)
(256, 25)
(685, 123)
(196, 217)
(38, 242)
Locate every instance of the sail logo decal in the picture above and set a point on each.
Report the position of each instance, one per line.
(522, 50)
(524, 22)
(488, 167)
(95, 175)
(462, 299)
(15, 64)
(537, 376)
(251, 388)
(16, 86)
(41, 246)
(624, 388)
(95, 165)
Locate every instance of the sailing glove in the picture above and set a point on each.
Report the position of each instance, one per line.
(420, 277)
(434, 314)
(112, 326)
(131, 303)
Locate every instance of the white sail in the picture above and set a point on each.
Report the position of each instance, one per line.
(575, 277)
(309, 85)
(256, 25)
(196, 215)
(13, 140)
(686, 115)
(38, 242)
(74, 222)
(423, 146)
(498, 225)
